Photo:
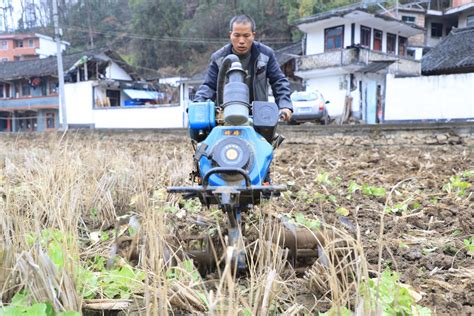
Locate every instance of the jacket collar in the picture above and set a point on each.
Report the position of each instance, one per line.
(254, 52)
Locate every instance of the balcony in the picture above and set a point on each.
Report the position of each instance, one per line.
(354, 59)
(30, 103)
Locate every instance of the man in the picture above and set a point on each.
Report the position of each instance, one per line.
(258, 61)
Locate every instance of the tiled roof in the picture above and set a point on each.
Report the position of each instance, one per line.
(454, 54)
(342, 11)
(283, 55)
(48, 66)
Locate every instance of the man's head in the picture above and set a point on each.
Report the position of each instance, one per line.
(242, 33)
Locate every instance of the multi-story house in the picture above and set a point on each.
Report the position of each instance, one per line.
(347, 55)
(438, 22)
(15, 47)
(101, 91)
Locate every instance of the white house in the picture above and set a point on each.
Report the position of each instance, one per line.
(348, 54)
(103, 91)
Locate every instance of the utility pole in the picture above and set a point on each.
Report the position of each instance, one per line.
(59, 56)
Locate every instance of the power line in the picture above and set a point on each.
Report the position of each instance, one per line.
(171, 38)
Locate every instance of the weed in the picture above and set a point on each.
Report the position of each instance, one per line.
(20, 305)
(373, 191)
(323, 178)
(394, 298)
(353, 187)
(185, 273)
(402, 245)
(307, 222)
(457, 184)
(469, 245)
(342, 211)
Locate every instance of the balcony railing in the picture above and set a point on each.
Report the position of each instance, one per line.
(29, 102)
(358, 57)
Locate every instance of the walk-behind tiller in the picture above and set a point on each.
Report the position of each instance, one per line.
(232, 159)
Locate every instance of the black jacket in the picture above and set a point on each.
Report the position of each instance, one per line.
(263, 66)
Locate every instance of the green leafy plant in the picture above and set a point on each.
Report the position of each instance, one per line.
(337, 311)
(394, 298)
(92, 278)
(308, 223)
(373, 191)
(469, 244)
(20, 305)
(323, 178)
(121, 282)
(192, 206)
(185, 272)
(457, 185)
(353, 187)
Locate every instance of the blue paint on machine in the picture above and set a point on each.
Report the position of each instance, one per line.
(236, 147)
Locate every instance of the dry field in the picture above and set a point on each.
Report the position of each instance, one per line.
(85, 218)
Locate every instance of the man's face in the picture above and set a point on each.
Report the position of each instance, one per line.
(241, 37)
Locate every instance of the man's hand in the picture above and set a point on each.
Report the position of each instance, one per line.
(285, 114)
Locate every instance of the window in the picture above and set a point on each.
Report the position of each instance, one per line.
(408, 19)
(377, 40)
(436, 29)
(1, 91)
(333, 37)
(113, 97)
(411, 52)
(402, 46)
(4, 45)
(50, 120)
(391, 43)
(365, 36)
(31, 43)
(19, 43)
(470, 20)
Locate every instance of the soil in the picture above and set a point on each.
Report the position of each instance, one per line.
(421, 220)
(423, 236)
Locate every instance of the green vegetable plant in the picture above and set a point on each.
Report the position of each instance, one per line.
(458, 184)
(373, 191)
(323, 178)
(469, 245)
(307, 222)
(394, 298)
(21, 305)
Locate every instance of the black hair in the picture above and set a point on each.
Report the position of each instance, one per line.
(243, 18)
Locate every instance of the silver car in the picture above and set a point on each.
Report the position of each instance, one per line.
(309, 106)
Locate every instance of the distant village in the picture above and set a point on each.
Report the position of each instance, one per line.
(402, 64)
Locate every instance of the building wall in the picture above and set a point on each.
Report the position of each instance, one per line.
(47, 47)
(457, 3)
(433, 41)
(114, 71)
(333, 89)
(315, 37)
(79, 102)
(80, 111)
(419, 39)
(42, 47)
(18, 52)
(463, 17)
(430, 98)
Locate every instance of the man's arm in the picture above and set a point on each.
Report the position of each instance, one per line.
(279, 83)
(207, 91)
